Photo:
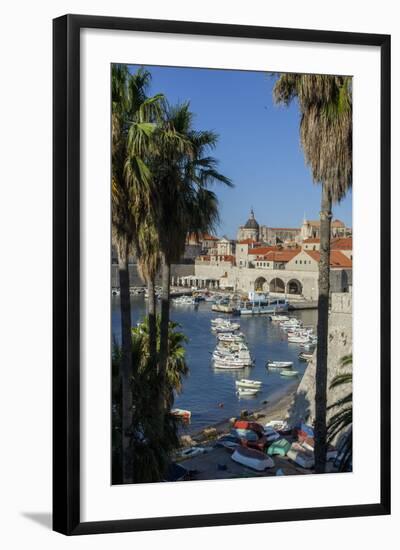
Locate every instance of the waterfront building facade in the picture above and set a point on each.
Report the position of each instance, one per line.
(278, 260)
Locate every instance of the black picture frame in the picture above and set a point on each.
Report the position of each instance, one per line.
(66, 273)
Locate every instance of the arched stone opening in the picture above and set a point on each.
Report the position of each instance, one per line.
(260, 285)
(294, 287)
(277, 285)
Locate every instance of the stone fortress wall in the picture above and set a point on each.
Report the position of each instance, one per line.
(340, 344)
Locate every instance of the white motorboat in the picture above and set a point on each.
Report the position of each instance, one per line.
(247, 391)
(218, 321)
(289, 373)
(279, 318)
(239, 360)
(245, 383)
(230, 365)
(298, 339)
(280, 364)
(256, 460)
(226, 326)
(229, 337)
(183, 300)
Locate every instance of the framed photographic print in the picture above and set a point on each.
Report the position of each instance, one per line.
(221, 274)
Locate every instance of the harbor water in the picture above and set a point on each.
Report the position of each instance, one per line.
(210, 393)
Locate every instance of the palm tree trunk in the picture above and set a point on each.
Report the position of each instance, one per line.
(164, 325)
(322, 332)
(152, 321)
(126, 355)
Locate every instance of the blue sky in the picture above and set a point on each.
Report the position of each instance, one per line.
(258, 147)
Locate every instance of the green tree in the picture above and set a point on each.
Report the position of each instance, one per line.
(341, 421)
(187, 205)
(133, 123)
(325, 104)
(152, 447)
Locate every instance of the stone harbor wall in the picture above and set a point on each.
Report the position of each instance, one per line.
(177, 270)
(339, 345)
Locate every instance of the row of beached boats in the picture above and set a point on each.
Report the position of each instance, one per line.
(254, 445)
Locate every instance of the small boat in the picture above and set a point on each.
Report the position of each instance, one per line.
(279, 318)
(305, 356)
(271, 434)
(247, 391)
(280, 364)
(229, 337)
(279, 447)
(298, 339)
(256, 460)
(225, 327)
(229, 442)
(281, 426)
(228, 366)
(289, 373)
(218, 321)
(182, 413)
(249, 425)
(192, 451)
(245, 433)
(301, 456)
(307, 346)
(245, 383)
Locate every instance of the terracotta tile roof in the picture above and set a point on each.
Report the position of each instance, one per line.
(337, 258)
(261, 250)
(311, 241)
(342, 244)
(247, 241)
(228, 258)
(282, 255)
(207, 237)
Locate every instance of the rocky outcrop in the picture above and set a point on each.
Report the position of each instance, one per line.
(339, 345)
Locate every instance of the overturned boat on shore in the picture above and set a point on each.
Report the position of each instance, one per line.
(256, 460)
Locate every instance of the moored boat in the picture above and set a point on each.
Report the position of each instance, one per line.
(247, 391)
(305, 356)
(289, 373)
(229, 337)
(245, 383)
(280, 364)
(182, 413)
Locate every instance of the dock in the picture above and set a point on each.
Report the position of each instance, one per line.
(222, 308)
(307, 304)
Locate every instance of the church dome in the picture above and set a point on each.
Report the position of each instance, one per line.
(251, 222)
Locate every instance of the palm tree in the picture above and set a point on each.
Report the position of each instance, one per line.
(326, 137)
(187, 205)
(133, 125)
(341, 421)
(151, 447)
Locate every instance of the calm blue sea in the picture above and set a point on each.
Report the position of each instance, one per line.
(210, 393)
